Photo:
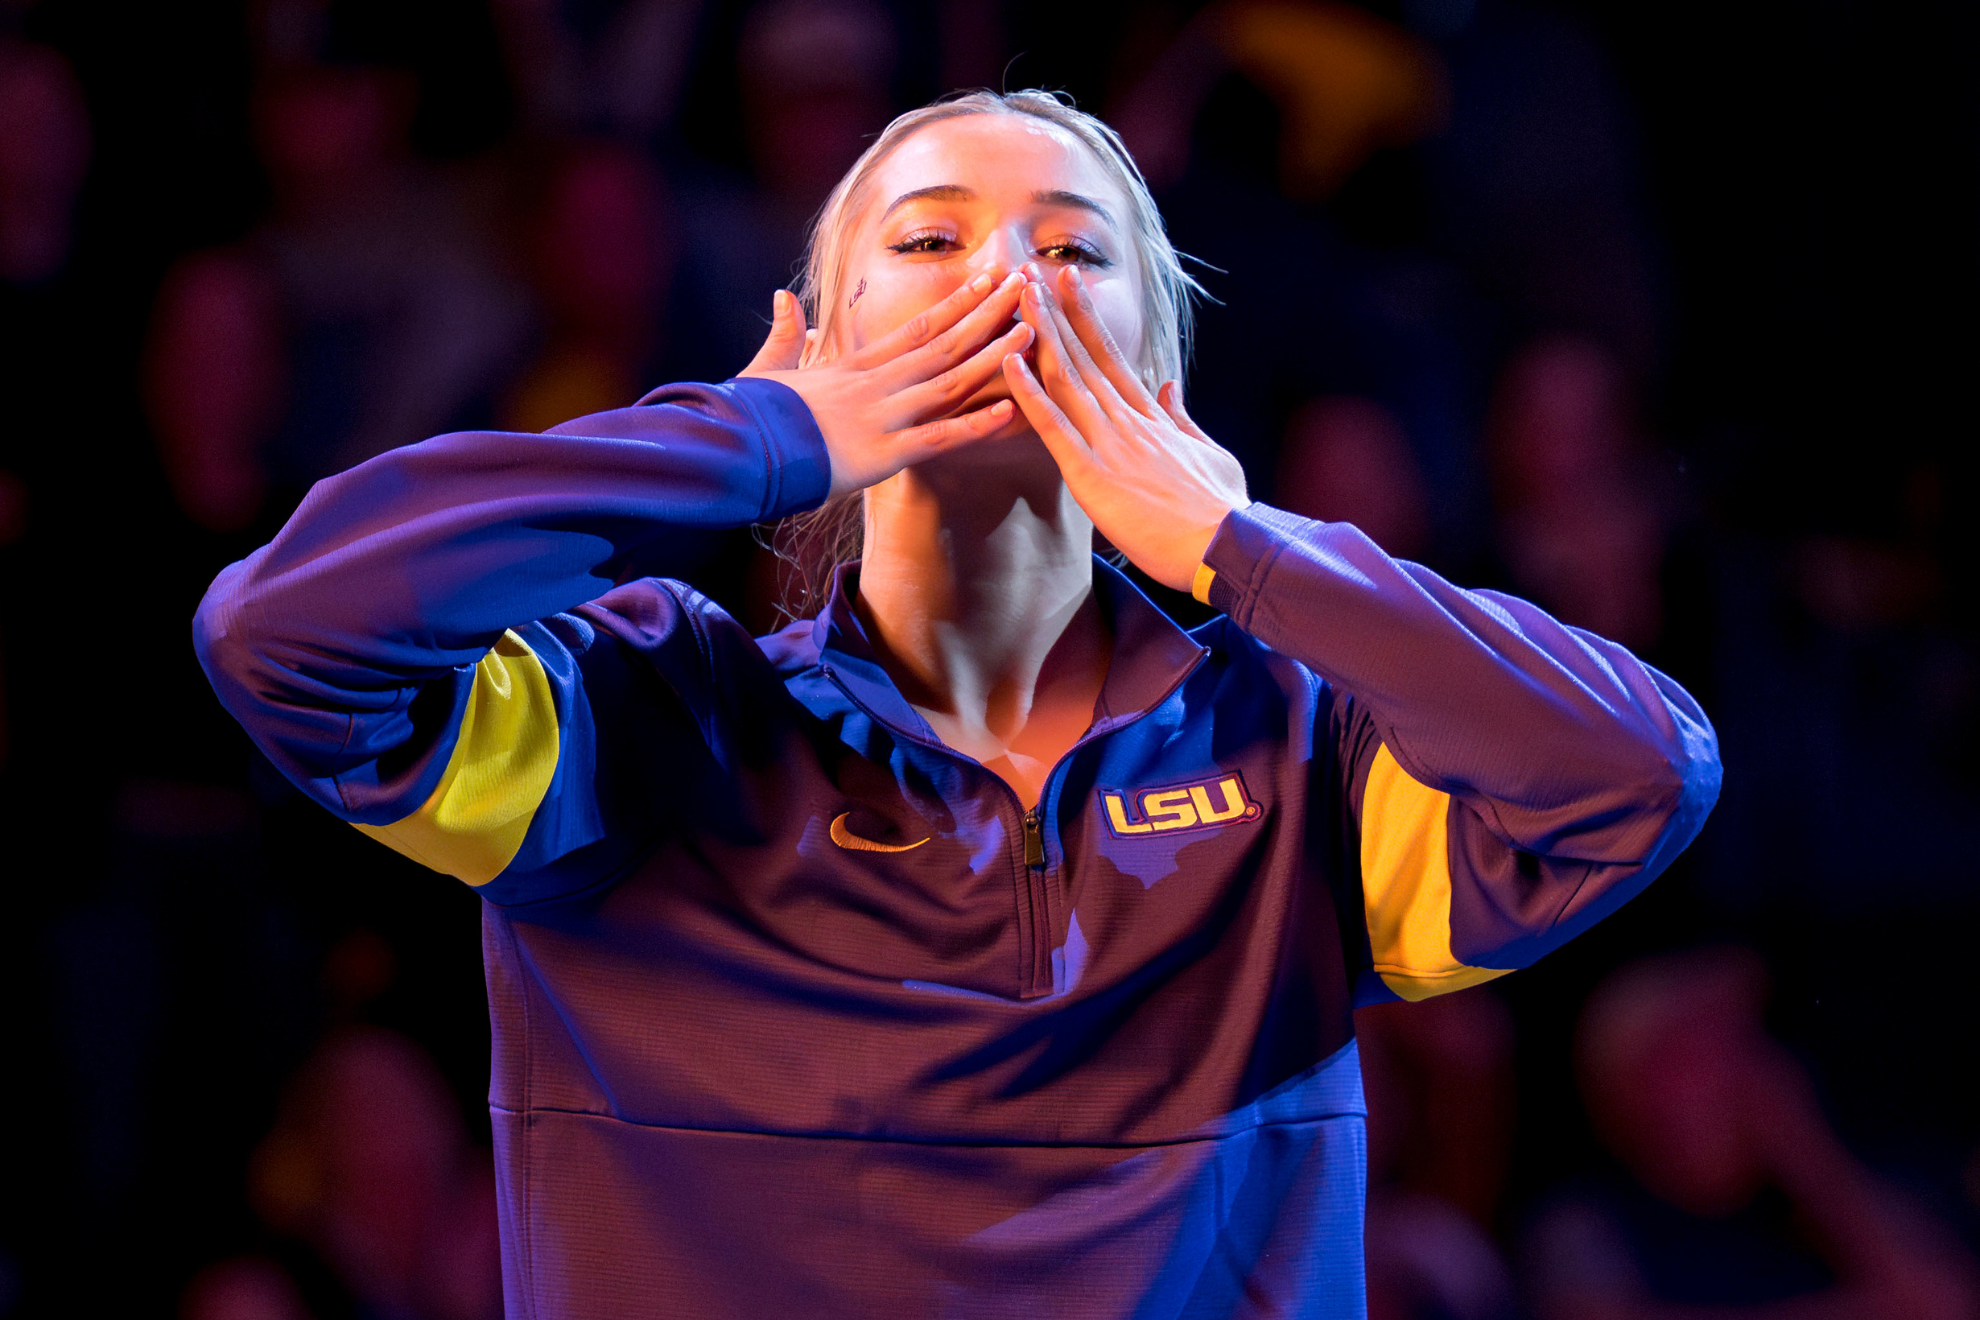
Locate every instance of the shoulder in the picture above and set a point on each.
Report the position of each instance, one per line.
(1239, 660)
(675, 630)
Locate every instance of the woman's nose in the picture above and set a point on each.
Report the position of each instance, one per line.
(1000, 253)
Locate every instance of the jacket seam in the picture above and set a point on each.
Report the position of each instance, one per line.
(337, 780)
(1560, 911)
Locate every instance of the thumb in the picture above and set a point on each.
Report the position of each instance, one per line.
(786, 339)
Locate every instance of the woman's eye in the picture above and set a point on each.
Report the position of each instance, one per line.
(1078, 253)
(914, 243)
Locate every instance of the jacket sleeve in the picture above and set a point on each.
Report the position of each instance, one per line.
(410, 653)
(1513, 780)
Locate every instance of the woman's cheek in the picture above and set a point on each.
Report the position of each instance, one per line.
(1120, 311)
(881, 304)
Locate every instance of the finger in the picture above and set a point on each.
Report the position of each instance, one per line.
(785, 342)
(964, 339)
(948, 390)
(1170, 396)
(1077, 302)
(919, 442)
(1067, 446)
(1118, 409)
(1066, 373)
(922, 328)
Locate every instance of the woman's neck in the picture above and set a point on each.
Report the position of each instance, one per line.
(977, 588)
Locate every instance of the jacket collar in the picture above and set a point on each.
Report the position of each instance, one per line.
(1151, 655)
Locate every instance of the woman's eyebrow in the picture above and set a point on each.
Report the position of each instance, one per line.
(955, 192)
(1060, 197)
(940, 192)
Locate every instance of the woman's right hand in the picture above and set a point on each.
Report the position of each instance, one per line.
(893, 403)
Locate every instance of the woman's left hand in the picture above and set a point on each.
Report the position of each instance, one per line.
(1154, 484)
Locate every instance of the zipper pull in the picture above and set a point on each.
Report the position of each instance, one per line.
(1034, 841)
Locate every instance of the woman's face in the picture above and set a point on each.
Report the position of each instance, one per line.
(986, 193)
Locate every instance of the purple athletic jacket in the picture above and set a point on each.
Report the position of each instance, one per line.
(798, 1012)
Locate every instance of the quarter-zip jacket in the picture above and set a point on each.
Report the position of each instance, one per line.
(797, 1011)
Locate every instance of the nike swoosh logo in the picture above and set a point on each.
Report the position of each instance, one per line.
(845, 838)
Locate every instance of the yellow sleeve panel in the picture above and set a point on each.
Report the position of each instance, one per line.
(1199, 586)
(1406, 885)
(473, 825)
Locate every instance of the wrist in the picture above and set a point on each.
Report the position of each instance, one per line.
(1192, 550)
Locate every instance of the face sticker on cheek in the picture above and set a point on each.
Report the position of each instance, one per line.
(858, 293)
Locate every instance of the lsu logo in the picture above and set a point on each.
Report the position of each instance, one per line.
(1203, 805)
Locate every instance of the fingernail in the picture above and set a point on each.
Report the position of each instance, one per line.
(981, 284)
(1015, 277)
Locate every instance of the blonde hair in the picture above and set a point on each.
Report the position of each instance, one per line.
(813, 545)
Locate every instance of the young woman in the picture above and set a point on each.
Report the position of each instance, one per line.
(986, 945)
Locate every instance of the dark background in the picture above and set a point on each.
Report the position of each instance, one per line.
(1658, 313)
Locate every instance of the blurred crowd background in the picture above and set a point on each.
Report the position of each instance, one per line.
(1659, 314)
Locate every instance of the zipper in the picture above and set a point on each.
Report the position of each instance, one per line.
(1039, 953)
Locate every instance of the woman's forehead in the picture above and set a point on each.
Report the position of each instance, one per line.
(996, 157)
